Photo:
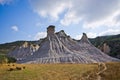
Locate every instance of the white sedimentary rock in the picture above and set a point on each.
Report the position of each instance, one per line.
(60, 48)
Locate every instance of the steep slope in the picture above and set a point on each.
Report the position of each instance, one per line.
(5, 48)
(60, 48)
(52, 50)
(23, 51)
(94, 53)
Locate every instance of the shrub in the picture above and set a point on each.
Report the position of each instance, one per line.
(18, 68)
(11, 69)
(23, 67)
(11, 60)
(5, 59)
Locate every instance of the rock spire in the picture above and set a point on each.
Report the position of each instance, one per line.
(50, 30)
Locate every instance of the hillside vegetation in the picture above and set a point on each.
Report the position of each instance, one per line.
(113, 41)
(8, 47)
(60, 72)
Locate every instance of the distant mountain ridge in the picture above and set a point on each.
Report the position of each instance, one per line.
(59, 48)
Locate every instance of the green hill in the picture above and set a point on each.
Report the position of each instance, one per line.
(113, 41)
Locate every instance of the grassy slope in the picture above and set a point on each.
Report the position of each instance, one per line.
(112, 72)
(46, 71)
(59, 72)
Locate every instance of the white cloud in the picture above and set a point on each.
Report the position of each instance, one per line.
(95, 13)
(5, 1)
(92, 13)
(40, 35)
(110, 32)
(104, 33)
(89, 35)
(52, 9)
(69, 18)
(110, 21)
(78, 37)
(15, 28)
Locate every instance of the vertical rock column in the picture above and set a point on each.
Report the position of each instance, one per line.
(50, 30)
(84, 39)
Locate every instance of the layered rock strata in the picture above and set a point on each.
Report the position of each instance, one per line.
(60, 48)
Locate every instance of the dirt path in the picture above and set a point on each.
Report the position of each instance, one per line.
(102, 67)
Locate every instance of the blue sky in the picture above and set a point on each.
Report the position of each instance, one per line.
(28, 19)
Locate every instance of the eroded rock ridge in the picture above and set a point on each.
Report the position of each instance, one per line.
(60, 48)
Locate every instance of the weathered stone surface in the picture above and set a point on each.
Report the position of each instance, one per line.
(105, 48)
(23, 51)
(60, 48)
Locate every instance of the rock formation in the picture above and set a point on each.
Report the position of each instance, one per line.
(60, 48)
(23, 51)
(105, 48)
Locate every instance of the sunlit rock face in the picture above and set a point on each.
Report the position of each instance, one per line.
(60, 48)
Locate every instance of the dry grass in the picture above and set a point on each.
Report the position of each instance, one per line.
(112, 72)
(58, 72)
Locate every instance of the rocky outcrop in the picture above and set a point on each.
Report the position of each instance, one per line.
(23, 51)
(105, 48)
(60, 48)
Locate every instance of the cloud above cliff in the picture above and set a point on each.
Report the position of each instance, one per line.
(92, 13)
(50, 8)
(14, 28)
(104, 33)
(40, 35)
